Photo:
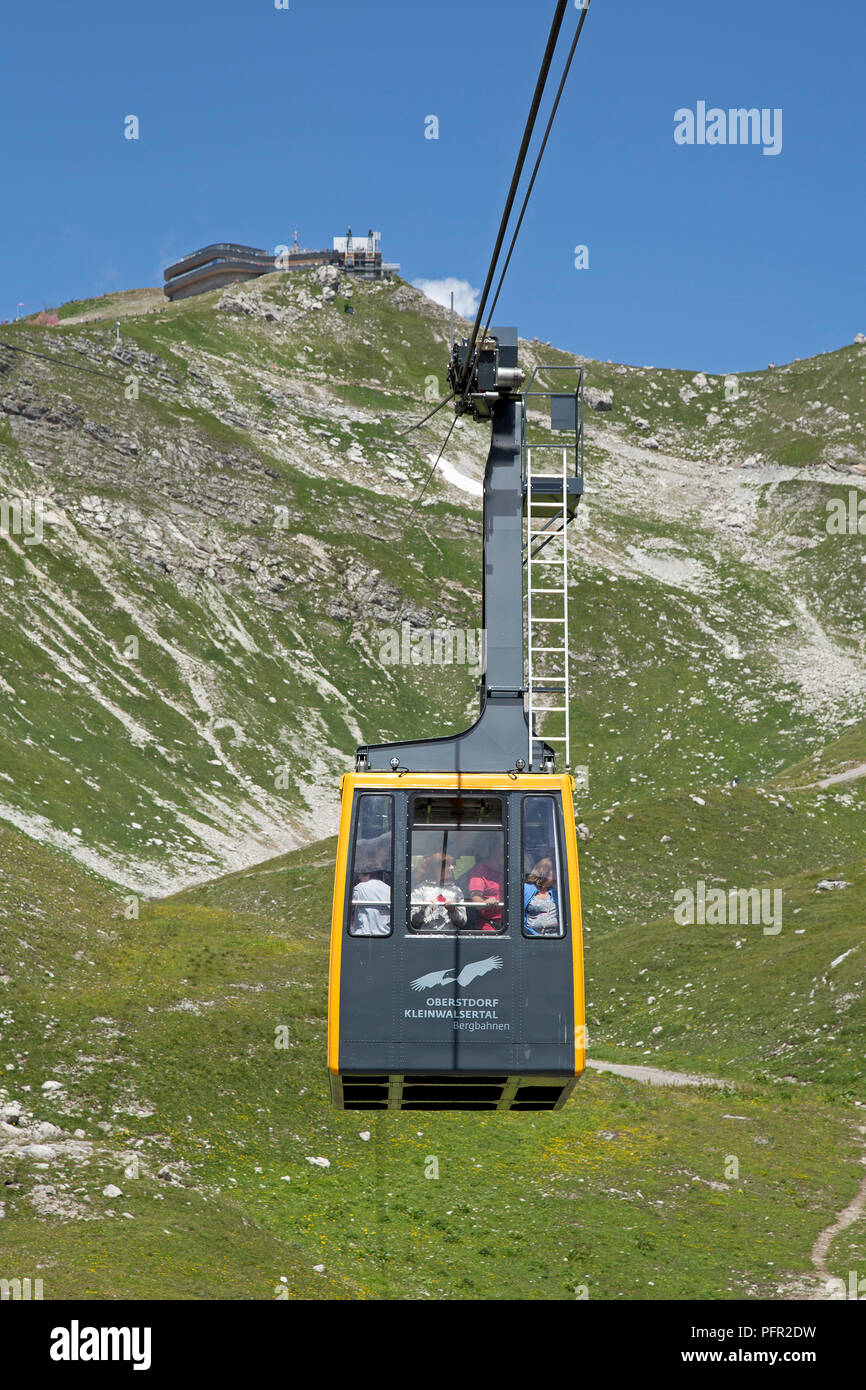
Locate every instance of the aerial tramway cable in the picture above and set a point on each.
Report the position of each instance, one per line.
(435, 411)
(416, 504)
(552, 41)
(541, 84)
(567, 69)
(58, 361)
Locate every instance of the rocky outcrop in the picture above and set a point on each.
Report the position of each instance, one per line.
(366, 599)
(25, 403)
(328, 276)
(249, 304)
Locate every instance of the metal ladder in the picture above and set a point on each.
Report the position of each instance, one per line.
(547, 654)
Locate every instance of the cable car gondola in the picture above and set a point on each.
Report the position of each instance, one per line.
(456, 968)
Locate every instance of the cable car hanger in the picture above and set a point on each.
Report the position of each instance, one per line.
(459, 391)
(457, 857)
(518, 170)
(486, 381)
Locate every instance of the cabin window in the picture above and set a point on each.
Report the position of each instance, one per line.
(457, 873)
(543, 896)
(372, 877)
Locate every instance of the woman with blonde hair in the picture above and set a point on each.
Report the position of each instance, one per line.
(540, 905)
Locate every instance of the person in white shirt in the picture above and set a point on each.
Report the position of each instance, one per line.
(437, 898)
(371, 907)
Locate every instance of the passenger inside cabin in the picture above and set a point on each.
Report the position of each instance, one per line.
(540, 904)
(534, 851)
(486, 884)
(371, 905)
(437, 897)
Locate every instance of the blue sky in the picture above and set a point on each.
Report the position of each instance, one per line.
(256, 121)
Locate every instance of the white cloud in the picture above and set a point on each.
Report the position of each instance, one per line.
(440, 291)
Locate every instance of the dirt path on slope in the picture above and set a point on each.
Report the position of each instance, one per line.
(655, 1076)
(815, 1287)
(846, 1218)
(819, 1285)
(850, 776)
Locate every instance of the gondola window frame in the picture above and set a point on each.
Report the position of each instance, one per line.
(503, 826)
(562, 884)
(350, 882)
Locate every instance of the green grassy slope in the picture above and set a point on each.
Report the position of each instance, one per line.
(162, 1031)
(244, 520)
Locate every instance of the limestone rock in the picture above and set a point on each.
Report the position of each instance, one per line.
(235, 301)
(249, 304)
(327, 275)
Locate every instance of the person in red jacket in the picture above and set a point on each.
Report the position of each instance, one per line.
(486, 885)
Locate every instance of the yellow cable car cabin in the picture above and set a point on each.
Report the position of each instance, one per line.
(455, 984)
(456, 969)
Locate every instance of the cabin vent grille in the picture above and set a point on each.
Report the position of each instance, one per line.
(423, 1091)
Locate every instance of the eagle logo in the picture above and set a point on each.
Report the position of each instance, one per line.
(466, 976)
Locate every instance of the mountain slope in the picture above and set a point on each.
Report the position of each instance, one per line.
(190, 655)
(170, 1155)
(200, 640)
